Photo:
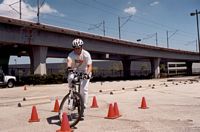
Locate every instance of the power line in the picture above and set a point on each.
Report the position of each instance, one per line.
(98, 26)
(134, 19)
(139, 17)
(86, 4)
(19, 12)
(57, 20)
(121, 25)
(168, 37)
(38, 10)
(157, 25)
(150, 36)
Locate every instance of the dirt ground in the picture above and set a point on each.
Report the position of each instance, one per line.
(173, 106)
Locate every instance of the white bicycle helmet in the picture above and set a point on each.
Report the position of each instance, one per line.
(77, 43)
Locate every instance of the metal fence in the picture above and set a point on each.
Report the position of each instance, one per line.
(96, 73)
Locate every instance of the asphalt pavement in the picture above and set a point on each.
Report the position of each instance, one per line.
(172, 105)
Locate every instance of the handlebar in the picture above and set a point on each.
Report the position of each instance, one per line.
(78, 76)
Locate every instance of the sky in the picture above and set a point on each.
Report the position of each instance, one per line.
(139, 19)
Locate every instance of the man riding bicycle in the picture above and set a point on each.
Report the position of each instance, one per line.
(79, 60)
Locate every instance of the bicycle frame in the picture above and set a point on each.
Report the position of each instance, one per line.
(73, 100)
(71, 92)
(76, 82)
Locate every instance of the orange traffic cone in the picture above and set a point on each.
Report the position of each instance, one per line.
(143, 104)
(34, 115)
(94, 103)
(111, 113)
(116, 110)
(64, 124)
(56, 106)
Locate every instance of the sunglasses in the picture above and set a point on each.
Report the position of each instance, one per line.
(74, 47)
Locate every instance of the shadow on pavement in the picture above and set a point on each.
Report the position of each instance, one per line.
(54, 120)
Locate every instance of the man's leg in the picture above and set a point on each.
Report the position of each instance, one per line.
(84, 91)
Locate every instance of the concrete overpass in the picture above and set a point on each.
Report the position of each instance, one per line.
(41, 41)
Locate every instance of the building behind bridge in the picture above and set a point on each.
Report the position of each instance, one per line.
(111, 69)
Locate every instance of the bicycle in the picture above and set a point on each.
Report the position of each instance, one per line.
(73, 103)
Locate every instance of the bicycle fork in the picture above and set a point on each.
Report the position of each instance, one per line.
(70, 101)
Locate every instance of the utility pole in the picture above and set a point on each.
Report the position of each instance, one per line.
(150, 36)
(167, 39)
(20, 9)
(38, 11)
(104, 30)
(119, 27)
(196, 46)
(19, 12)
(98, 26)
(156, 39)
(197, 19)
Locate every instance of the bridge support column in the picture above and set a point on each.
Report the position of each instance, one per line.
(38, 60)
(127, 68)
(4, 60)
(189, 68)
(155, 67)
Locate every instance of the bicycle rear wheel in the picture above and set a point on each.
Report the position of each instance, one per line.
(73, 106)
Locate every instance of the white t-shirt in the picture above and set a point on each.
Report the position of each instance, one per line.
(80, 62)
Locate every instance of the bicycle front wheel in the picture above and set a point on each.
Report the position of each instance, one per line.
(72, 105)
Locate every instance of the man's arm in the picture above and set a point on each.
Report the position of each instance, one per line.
(88, 73)
(69, 65)
(89, 64)
(89, 68)
(69, 62)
